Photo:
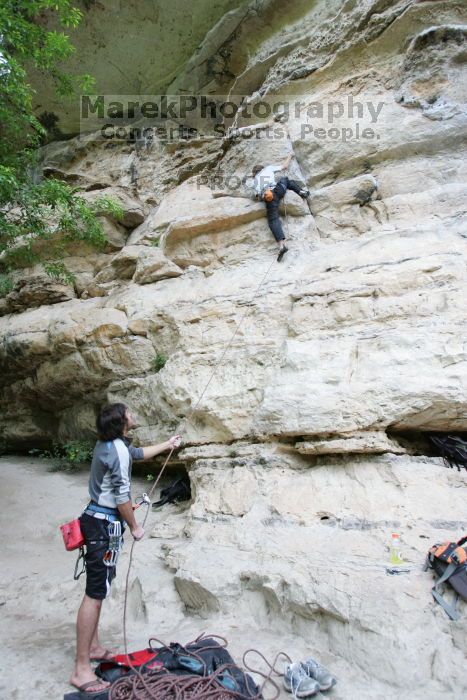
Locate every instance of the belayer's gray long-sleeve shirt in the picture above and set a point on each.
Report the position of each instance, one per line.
(110, 479)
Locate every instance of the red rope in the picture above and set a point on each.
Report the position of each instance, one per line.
(163, 685)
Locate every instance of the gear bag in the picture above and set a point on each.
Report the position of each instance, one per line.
(72, 535)
(452, 448)
(179, 491)
(449, 562)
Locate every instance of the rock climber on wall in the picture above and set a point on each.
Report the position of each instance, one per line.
(272, 190)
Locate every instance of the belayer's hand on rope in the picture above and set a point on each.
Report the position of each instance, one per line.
(174, 442)
(137, 533)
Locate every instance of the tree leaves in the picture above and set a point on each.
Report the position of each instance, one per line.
(39, 220)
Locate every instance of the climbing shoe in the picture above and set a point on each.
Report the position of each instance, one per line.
(227, 681)
(191, 664)
(304, 194)
(315, 670)
(282, 252)
(298, 682)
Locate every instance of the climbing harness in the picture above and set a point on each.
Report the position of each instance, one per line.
(115, 543)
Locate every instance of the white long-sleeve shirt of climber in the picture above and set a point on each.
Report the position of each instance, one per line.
(110, 478)
(266, 178)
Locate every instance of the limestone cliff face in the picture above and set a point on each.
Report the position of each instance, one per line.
(130, 47)
(306, 449)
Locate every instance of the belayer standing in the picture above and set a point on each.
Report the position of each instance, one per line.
(102, 524)
(272, 191)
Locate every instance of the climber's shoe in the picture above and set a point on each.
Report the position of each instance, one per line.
(227, 681)
(282, 252)
(191, 664)
(304, 194)
(297, 681)
(319, 673)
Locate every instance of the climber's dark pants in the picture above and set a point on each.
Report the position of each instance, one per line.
(272, 208)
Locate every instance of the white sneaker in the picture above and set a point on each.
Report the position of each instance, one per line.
(315, 670)
(298, 682)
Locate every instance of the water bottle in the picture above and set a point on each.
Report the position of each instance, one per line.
(395, 556)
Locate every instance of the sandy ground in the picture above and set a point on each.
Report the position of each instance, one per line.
(39, 598)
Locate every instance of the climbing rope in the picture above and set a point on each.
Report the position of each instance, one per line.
(286, 215)
(168, 686)
(163, 685)
(185, 420)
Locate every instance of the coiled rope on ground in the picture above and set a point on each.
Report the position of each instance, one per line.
(163, 685)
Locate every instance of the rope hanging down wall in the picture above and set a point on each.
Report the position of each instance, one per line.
(183, 423)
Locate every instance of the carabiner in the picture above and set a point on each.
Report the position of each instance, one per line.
(140, 500)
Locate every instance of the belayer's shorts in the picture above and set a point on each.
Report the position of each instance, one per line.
(98, 576)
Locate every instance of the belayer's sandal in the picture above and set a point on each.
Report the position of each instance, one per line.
(98, 686)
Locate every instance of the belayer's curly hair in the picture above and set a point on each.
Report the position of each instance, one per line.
(111, 421)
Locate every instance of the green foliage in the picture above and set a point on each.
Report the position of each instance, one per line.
(6, 285)
(26, 41)
(38, 219)
(150, 477)
(67, 456)
(155, 242)
(39, 223)
(107, 206)
(158, 362)
(58, 271)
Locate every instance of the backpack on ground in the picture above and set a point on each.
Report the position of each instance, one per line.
(449, 562)
(452, 448)
(178, 491)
